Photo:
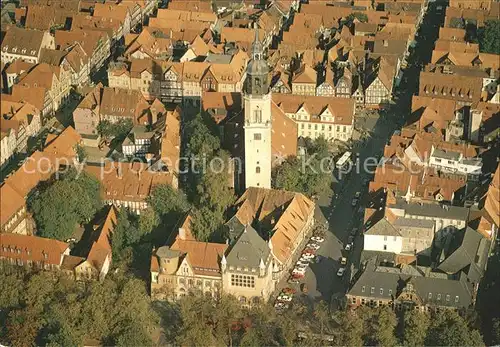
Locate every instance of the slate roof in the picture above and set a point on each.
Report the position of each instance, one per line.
(383, 228)
(467, 248)
(388, 282)
(433, 210)
(248, 250)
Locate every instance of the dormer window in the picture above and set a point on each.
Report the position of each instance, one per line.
(23, 51)
(14, 50)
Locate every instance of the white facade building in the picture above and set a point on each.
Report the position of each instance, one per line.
(257, 127)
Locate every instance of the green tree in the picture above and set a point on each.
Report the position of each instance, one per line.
(310, 175)
(56, 311)
(125, 234)
(449, 329)
(495, 331)
(489, 37)
(23, 326)
(73, 199)
(168, 203)
(355, 15)
(117, 130)
(414, 328)
(81, 153)
(213, 190)
(202, 141)
(321, 313)
(206, 222)
(105, 129)
(380, 324)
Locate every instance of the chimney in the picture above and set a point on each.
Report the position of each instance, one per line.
(182, 233)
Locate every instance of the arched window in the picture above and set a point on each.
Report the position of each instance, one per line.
(257, 169)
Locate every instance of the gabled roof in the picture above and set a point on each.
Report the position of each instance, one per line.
(32, 248)
(383, 228)
(248, 250)
(101, 247)
(305, 74)
(465, 250)
(282, 213)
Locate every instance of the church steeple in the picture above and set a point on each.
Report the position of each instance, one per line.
(257, 70)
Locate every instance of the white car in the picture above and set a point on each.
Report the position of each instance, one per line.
(357, 195)
(299, 269)
(284, 297)
(348, 247)
(314, 246)
(341, 271)
(279, 305)
(317, 239)
(302, 263)
(307, 255)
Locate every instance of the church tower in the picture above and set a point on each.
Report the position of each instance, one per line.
(257, 99)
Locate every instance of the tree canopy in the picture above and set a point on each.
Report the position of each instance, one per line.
(208, 184)
(118, 130)
(40, 310)
(310, 174)
(72, 199)
(489, 37)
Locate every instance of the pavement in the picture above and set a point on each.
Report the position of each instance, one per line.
(321, 278)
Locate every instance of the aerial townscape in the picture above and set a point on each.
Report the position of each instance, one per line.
(250, 173)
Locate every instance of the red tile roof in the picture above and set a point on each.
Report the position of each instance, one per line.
(32, 248)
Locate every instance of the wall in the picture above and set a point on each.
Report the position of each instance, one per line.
(393, 244)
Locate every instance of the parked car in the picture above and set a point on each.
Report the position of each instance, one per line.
(314, 246)
(354, 231)
(298, 274)
(281, 305)
(350, 239)
(354, 202)
(348, 247)
(293, 280)
(288, 291)
(357, 195)
(303, 288)
(301, 264)
(317, 239)
(308, 251)
(343, 260)
(341, 271)
(284, 297)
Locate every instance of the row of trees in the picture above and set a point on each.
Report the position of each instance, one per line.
(208, 181)
(38, 309)
(205, 321)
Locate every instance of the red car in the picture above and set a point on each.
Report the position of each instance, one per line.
(289, 291)
(309, 251)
